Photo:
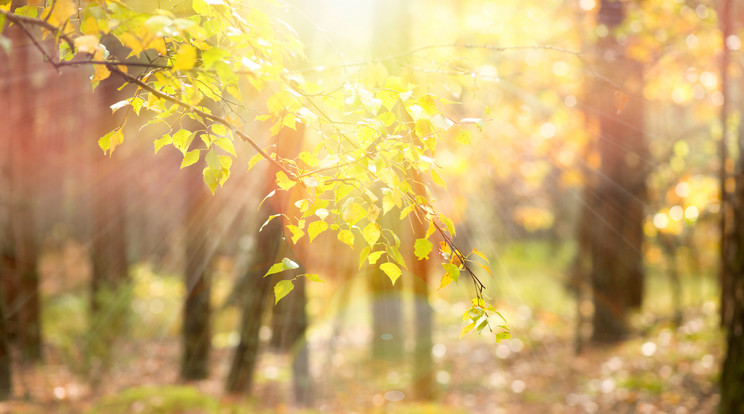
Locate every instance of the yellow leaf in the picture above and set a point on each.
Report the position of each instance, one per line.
(346, 237)
(391, 270)
(281, 289)
(446, 280)
(283, 181)
(374, 257)
(89, 26)
(353, 212)
(190, 158)
(131, 41)
(101, 72)
(315, 228)
(463, 137)
(62, 11)
(86, 44)
(297, 232)
(467, 329)
(371, 233)
(185, 57)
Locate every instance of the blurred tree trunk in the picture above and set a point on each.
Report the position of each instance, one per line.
(732, 281)
(6, 383)
(22, 278)
(196, 309)
(423, 364)
(618, 198)
(727, 298)
(289, 318)
(109, 295)
(253, 290)
(387, 309)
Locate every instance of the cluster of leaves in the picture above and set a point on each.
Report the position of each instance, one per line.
(196, 63)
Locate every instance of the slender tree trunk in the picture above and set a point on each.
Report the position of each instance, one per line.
(6, 383)
(732, 295)
(732, 375)
(22, 283)
(617, 234)
(196, 310)
(254, 289)
(423, 363)
(726, 211)
(109, 295)
(387, 308)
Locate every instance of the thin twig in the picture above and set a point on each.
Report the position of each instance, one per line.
(131, 79)
(15, 18)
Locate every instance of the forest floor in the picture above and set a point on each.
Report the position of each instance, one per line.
(666, 371)
(659, 369)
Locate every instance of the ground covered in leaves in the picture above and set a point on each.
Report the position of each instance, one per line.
(662, 368)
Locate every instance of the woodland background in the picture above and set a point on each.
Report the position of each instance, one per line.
(604, 134)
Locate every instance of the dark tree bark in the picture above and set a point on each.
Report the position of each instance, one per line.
(732, 376)
(22, 277)
(732, 250)
(109, 296)
(620, 185)
(196, 310)
(6, 378)
(254, 288)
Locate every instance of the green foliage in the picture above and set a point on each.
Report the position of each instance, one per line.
(157, 400)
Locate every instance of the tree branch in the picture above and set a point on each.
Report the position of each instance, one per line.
(131, 79)
(17, 19)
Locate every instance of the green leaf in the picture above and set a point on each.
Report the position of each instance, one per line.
(422, 248)
(453, 271)
(502, 335)
(371, 233)
(281, 289)
(315, 228)
(285, 264)
(391, 270)
(190, 158)
(448, 222)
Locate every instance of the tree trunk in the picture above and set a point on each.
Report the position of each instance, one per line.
(732, 375)
(22, 281)
(109, 295)
(196, 310)
(387, 308)
(617, 232)
(423, 363)
(732, 297)
(6, 384)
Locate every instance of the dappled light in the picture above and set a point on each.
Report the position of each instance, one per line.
(377, 206)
